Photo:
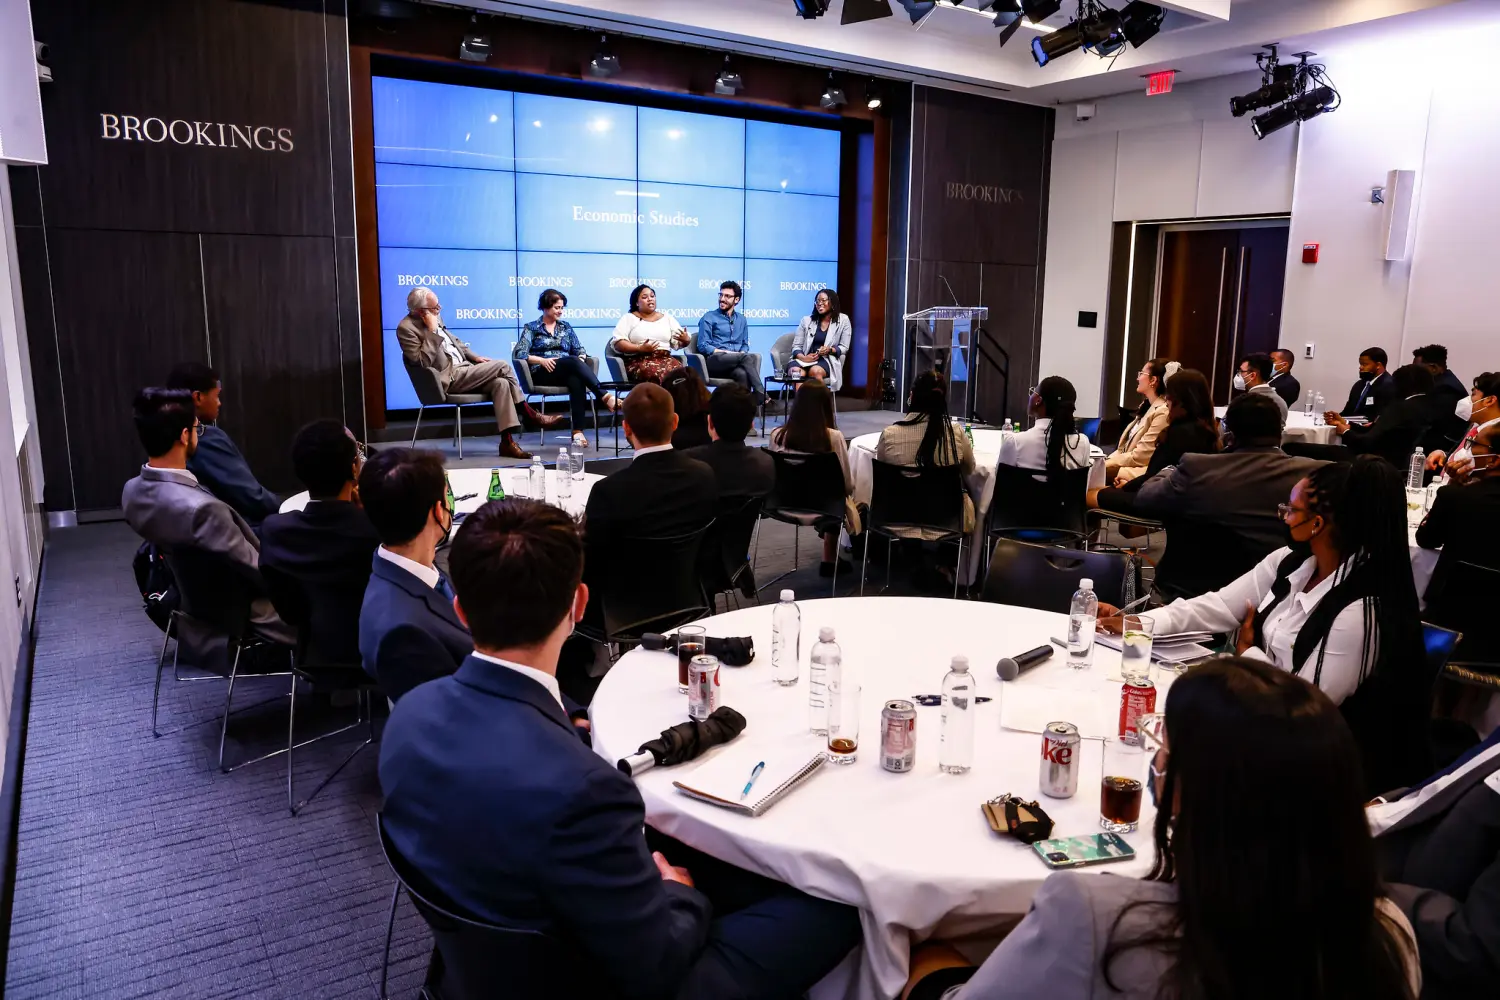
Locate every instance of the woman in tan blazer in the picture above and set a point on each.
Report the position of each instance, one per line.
(1138, 441)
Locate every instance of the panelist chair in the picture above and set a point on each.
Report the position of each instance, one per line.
(699, 362)
(430, 393)
(781, 356)
(545, 392)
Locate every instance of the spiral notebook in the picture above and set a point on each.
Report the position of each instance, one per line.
(720, 781)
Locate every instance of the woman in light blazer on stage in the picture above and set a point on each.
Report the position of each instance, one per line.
(822, 341)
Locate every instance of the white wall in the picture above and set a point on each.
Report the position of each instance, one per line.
(1183, 156)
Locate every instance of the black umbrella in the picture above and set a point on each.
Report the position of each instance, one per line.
(685, 741)
(732, 651)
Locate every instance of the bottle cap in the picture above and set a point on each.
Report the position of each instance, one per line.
(1085, 584)
(961, 664)
(787, 595)
(825, 634)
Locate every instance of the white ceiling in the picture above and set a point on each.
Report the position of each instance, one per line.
(959, 49)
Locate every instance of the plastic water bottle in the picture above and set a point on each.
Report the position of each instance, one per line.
(564, 487)
(1415, 469)
(786, 640)
(956, 746)
(825, 653)
(575, 463)
(536, 479)
(1308, 406)
(1082, 616)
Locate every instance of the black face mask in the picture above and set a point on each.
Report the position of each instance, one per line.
(1366, 376)
(1303, 549)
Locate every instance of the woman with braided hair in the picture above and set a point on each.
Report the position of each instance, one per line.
(1337, 607)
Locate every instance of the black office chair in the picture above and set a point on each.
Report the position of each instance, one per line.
(1089, 428)
(1031, 576)
(1461, 595)
(642, 585)
(903, 498)
(216, 596)
(326, 658)
(475, 960)
(1203, 556)
(809, 493)
(726, 549)
(1027, 498)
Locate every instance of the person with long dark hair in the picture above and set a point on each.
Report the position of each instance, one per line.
(810, 429)
(556, 358)
(925, 438)
(690, 400)
(1138, 440)
(647, 337)
(1191, 429)
(1053, 443)
(822, 340)
(1265, 881)
(1337, 606)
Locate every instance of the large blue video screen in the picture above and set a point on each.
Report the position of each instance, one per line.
(490, 196)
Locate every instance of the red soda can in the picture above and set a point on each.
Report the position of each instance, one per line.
(898, 736)
(1060, 760)
(703, 686)
(1136, 700)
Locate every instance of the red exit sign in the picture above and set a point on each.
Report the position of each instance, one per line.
(1160, 83)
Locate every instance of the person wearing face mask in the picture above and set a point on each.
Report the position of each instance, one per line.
(1374, 389)
(1254, 376)
(1402, 425)
(1464, 515)
(1282, 379)
(1478, 409)
(1338, 607)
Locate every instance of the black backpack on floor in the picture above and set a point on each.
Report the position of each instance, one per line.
(154, 580)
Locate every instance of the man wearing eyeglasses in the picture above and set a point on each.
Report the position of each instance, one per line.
(1464, 514)
(426, 342)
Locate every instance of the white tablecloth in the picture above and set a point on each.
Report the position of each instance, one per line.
(980, 484)
(912, 851)
(477, 482)
(1300, 427)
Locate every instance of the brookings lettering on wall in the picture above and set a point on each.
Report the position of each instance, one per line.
(130, 128)
(959, 191)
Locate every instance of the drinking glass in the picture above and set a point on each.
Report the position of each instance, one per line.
(1416, 499)
(1135, 648)
(689, 644)
(1122, 782)
(843, 717)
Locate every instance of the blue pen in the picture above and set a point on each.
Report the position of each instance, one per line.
(751, 783)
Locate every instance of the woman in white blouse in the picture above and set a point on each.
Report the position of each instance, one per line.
(647, 338)
(1053, 443)
(1337, 607)
(1138, 440)
(821, 342)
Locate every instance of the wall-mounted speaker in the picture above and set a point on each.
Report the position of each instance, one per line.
(1400, 213)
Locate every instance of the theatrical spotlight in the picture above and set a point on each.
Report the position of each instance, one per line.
(1305, 108)
(874, 94)
(1102, 30)
(728, 81)
(856, 11)
(475, 47)
(1272, 93)
(1139, 22)
(1037, 11)
(810, 9)
(605, 63)
(833, 96)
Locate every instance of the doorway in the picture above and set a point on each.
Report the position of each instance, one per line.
(1218, 295)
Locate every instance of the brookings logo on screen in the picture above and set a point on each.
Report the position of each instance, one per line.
(651, 218)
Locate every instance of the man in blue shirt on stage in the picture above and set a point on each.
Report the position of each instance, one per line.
(724, 342)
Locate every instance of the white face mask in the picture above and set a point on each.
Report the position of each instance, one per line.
(1465, 408)
(1239, 382)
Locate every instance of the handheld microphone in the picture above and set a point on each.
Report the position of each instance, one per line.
(1011, 667)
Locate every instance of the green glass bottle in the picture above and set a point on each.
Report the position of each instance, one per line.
(969, 432)
(497, 491)
(448, 493)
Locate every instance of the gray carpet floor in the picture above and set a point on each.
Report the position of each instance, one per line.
(144, 872)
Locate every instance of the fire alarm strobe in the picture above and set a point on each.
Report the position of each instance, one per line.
(1309, 253)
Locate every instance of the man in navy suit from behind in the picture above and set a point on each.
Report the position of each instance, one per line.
(507, 815)
(408, 632)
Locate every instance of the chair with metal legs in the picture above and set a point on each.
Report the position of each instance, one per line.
(430, 393)
(544, 392)
(906, 498)
(809, 492)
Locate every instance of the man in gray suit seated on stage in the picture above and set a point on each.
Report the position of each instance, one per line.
(168, 507)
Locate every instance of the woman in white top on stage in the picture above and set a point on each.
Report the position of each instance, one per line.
(647, 338)
(1053, 442)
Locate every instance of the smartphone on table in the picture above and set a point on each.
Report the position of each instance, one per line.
(1076, 852)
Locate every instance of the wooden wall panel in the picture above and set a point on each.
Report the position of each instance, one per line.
(46, 379)
(129, 307)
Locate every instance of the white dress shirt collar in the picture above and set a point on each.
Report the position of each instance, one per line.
(546, 680)
(427, 574)
(655, 447)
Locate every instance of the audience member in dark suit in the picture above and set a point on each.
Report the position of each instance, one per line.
(1282, 379)
(1238, 489)
(662, 492)
(1192, 429)
(690, 401)
(1447, 427)
(408, 631)
(327, 545)
(217, 462)
(1375, 388)
(492, 799)
(1465, 517)
(1402, 425)
(740, 471)
(1438, 844)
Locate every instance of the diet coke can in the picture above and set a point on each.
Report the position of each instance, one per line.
(1060, 760)
(898, 736)
(703, 686)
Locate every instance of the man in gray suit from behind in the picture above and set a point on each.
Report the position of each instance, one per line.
(168, 507)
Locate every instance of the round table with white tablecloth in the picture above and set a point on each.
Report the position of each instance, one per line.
(1300, 426)
(980, 484)
(913, 850)
(477, 482)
